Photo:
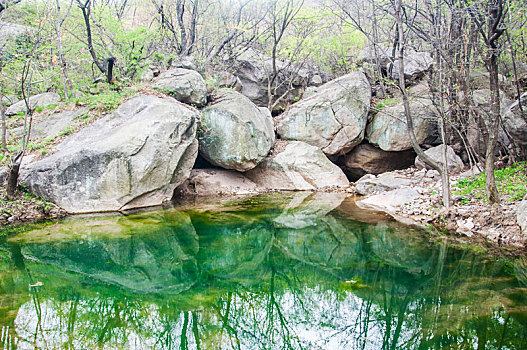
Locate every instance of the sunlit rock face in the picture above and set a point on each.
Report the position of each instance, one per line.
(184, 85)
(134, 157)
(236, 134)
(299, 166)
(333, 119)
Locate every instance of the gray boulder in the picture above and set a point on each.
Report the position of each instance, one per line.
(370, 184)
(521, 215)
(333, 118)
(9, 100)
(236, 134)
(367, 159)
(415, 65)
(298, 167)
(184, 85)
(254, 70)
(454, 162)
(388, 129)
(216, 182)
(42, 100)
(132, 158)
(186, 62)
(482, 107)
(370, 52)
(515, 121)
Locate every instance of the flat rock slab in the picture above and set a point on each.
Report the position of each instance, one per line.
(216, 182)
(370, 184)
(298, 167)
(390, 201)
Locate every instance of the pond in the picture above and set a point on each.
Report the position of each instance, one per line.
(287, 271)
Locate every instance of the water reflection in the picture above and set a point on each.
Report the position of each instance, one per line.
(304, 271)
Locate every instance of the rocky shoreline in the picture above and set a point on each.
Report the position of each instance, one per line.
(414, 199)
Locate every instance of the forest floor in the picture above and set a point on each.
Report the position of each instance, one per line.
(26, 208)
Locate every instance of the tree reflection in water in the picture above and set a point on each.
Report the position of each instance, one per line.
(304, 271)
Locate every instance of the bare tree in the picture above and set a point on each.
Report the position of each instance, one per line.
(492, 17)
(85, 6)
(281, 14)
(57, 25)
(398, 12)
(184, 33)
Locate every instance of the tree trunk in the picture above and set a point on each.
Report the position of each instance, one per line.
(493, 123)
(493, 126)
(85, 8)
(4, 127)
(12, 180)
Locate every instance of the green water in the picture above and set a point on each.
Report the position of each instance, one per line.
(298, 271)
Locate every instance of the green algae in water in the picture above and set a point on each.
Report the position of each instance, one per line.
(297, 271)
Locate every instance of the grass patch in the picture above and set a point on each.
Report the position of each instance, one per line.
(511, 183)
(386, 102)
(107, 100)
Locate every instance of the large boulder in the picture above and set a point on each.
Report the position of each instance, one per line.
(42, 100)
(184, 85)
(415, 65)
(515, 121)
(236, 134)
(254, 70)
(132, 158)
(298, 167)
(454, 162)
(367, 159)
(334, 118)
(370, 54)
(476, 130)
(388, 129)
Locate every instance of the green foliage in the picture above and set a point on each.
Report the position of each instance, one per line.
(385, 102)
(107, 100)
(511, 182)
